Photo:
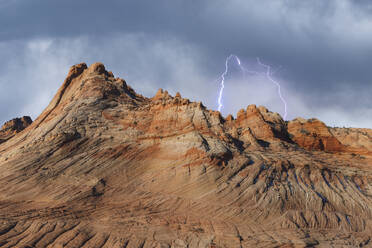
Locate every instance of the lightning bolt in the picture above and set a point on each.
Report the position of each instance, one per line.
(268, 74)
(222, 77)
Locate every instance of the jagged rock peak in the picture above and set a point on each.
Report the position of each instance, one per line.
(163, 97)
(161, 94)
(99, 68)
(17, 124)
(89, 83)
(96, 87)
(105, 167)
(14, 126)
(95, 68)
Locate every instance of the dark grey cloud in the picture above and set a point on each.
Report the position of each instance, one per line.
(323, 47)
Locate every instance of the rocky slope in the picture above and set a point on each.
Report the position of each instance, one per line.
(103, 166)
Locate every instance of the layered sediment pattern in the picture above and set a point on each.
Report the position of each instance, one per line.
(103, 166)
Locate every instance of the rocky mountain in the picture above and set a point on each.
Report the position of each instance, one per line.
(103, 166)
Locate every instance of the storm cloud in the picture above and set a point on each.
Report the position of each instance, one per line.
(322, 50)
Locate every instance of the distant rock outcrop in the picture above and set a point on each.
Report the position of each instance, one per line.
(103, 166)
(16, 125)
(313, 134)
(357, 140)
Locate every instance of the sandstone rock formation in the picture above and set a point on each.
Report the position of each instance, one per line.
(16, 125)
(103, 166)
(356, 139)
(313, 134)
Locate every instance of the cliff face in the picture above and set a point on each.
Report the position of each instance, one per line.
(314, 135)
(103, 166)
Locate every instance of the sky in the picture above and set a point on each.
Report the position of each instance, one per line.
(320, 52)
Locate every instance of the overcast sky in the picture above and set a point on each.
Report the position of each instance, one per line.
(320, 52)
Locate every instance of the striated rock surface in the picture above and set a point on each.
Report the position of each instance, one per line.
(313, 134)
(358, 140)
(103, 166)
(16, 125)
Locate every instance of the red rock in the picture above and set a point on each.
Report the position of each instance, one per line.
(313, 134)
(103, 166)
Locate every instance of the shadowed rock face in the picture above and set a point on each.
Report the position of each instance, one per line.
(16, 125)
(103, 166)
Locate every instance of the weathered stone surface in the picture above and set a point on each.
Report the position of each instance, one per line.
(313, 134)
(357, 140)
(16, 125)
(103, 166)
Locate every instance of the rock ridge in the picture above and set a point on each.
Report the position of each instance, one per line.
(104, 166)
(264, 126)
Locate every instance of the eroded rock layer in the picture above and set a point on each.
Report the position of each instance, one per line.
(16, 125)
(103, 166)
